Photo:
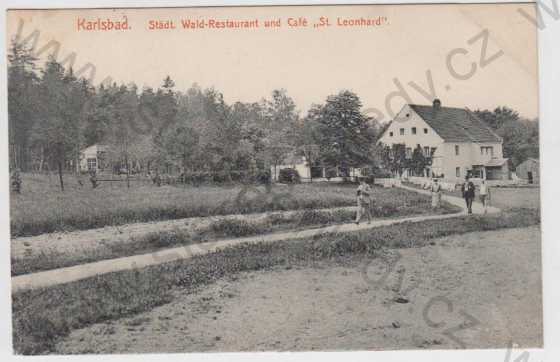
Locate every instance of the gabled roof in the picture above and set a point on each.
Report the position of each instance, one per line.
(95, 148)
(456, 124)
(293, 159)
(496, 162)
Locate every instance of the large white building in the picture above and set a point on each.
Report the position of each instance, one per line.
(457, 141)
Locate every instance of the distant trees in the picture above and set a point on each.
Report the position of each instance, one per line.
(22, 102)
(520, 135)
(56, 132)
(418, 162)
(53, 115)
(337, 134)
(346, 135)
(394, 158)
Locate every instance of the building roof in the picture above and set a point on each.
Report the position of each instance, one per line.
(292, 159)
(95, 148)
(531, 159)
(496, 162)
(456, 124)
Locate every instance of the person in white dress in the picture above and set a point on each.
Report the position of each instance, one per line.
(484, 195)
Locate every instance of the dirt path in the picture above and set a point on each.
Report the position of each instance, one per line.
(82, 241)
(483, 289)
(73, 273)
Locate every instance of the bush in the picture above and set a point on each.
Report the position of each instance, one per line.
(289, 176)
(330, 173)
(234, 227)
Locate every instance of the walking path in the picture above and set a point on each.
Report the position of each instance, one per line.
(78, 272)
(83, 241)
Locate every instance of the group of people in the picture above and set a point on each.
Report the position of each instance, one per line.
(468, 191)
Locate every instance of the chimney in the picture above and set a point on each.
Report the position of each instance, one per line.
(437, 104)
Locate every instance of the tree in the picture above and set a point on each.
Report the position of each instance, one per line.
(58, 132)
(394, 158)
(418, 161)
(280, 119)
(22, 102)
(308, 137)
(520, 136)
(346, 135)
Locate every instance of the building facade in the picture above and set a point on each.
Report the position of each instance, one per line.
(318, 174)
(456, 141)
(93, 158)
(528, 171)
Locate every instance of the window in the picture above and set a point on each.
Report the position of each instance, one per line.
(456, 150)
(91, 163)
(427, 152)
(408, 152)
(458, 171)
(413, 130)
(401, 131)
(425, 131)
(390, 134)
(433, 151)
(487, 150)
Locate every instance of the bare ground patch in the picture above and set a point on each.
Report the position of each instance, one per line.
(493, 277)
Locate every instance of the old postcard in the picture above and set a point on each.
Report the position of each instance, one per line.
(274, 178)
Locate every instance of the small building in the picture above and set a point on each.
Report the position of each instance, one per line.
(298, 163)
(528, 171)
(317, 173)
(455, 140)
(93, 158)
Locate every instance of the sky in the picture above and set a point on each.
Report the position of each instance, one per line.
(419, 44)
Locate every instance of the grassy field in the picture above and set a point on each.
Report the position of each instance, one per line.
(220, 229)
(41, 317)
(43, 208)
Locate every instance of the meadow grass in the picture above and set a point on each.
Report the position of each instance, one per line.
(41, 317)
(220, 229)
(43, 208)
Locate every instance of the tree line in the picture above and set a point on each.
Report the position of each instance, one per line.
(53, 115)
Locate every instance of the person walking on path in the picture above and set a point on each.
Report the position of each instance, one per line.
(363, 196)
(436, 194)
(16, 181)
(468, 193)
(485, 195)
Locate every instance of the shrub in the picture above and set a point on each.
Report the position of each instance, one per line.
(234, 227)
(289, 176)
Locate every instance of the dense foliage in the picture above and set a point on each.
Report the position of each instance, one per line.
(53, 115)
(520, 135)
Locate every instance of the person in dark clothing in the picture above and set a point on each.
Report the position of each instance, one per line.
(93, 179)
(16, 181)
(468, 193)
(157, 179)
